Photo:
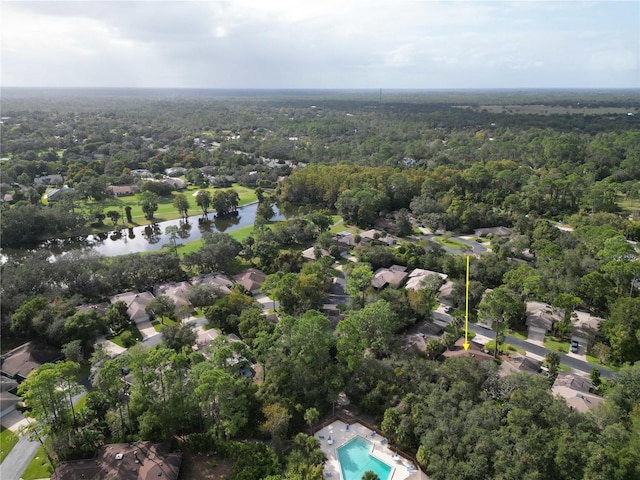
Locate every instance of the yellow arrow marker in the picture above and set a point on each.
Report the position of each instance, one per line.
(466, 313)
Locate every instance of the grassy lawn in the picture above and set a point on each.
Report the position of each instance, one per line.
(134, 331)
(40, 467)
(80, 404)
(596, 363)
(8, 440)
(451, 243)
(629, 204)
(159, 326)
(166, 210)
(517, 334)
(556, 346)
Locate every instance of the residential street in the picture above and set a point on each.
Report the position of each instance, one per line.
(533, 348)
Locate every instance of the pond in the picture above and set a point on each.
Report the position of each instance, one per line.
(148, 237)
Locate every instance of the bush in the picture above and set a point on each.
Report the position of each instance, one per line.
(127, 339)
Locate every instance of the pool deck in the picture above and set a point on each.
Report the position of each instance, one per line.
(338, 433)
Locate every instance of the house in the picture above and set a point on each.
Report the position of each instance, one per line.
(585, 329)
(576, 391)
(310, 253)
(55, 179)
(176, 183)
(520, 364)
(499, 231)
(474, 351)
(540, 319)
(376, 236)
(175, 171)
(18, 363)
(136, 304)
(393, 276)
(251, 279)
(222, 282)
(176, 292)
(57, 193)
(8, 399)
(124, 461)
(122, 190)
(142, 172)
(345, 241)
(418, 275)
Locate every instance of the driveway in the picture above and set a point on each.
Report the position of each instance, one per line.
(19, 457)
(146, 329)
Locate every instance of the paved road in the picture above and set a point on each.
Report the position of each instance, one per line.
(571, 362)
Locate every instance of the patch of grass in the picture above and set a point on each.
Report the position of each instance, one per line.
(80, 403)
(629, 205)
(451, 243)
(137, 336)
(39, 467)
(556, 345)
(166, 210)
(8, 440)
(517, 334)
(160, 326)
(593, 360)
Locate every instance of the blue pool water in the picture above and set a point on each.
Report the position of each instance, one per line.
(355, 460)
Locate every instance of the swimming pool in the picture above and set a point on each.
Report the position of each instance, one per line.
(355, 459)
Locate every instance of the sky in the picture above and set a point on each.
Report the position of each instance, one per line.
(337, 44)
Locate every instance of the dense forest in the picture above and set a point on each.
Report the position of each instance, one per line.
(450, 161)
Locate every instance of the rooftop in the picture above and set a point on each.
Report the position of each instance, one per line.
(124, 461)
(21, 361)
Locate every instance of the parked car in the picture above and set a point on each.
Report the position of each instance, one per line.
(574, 346)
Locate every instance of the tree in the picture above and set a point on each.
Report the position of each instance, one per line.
(311, 416)
(499, 307)
(358, 280)
(552, 359)
(367, 330)
(114, 216)
(161, 307)
(149, 204)
(370, 475)
(203, 295)
(203, 200)
(276, 422)
(177, 337)
(181, 203)
(404, 224)
(127, 211)
(216, 254)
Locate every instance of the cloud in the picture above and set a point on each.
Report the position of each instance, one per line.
(331, 44)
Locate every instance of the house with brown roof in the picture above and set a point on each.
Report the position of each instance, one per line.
(393, 276)
(124, 461)
(122, 190)
(310, 253)
(18, 363)
(176, 291)
(585, 329)
(540, 319)
(519, 364)
(136, 304)
(218, 280)
(576, 391)
(377, 236)
(474, 351)
(251, 279)
(417, 276)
